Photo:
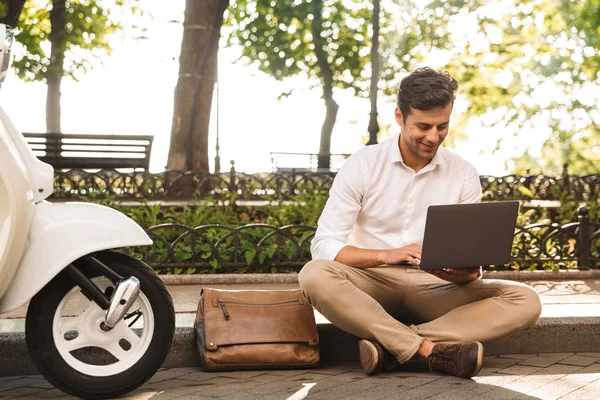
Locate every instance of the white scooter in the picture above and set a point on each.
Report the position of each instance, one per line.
(99, 323)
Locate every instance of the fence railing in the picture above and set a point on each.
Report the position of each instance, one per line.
(264, 248)
(282, 185)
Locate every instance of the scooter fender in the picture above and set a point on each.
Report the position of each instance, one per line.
(60, 234)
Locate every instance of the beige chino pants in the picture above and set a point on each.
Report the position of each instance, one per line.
(370, 303)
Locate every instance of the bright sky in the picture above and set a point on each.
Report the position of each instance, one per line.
(133, 93)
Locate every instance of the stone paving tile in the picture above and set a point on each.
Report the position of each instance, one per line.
(338, 369)
(396, 388)
(24, 382)
(241, 395)
(189, 370)
(238, 374)
(561, 369)
(558, 388)
(519, 370)
(538, 361)
(561, 356)
(528, 383)
(172, 383)
(285, 384)
(241, 385)
(501, 362)
(51, 394)
(291, 372)
(198, 376)
(8, 378)
(485, 371)
(578, 360)
(19, 392)
(140, 395)
(516, 356)
(181, 393)
(587, 374)
(597, 355)
(587, 392)
(497, 379)
(339, 389)
(437, 387)
(326, 384)
(500, 393)
(470, 388)
(403, 373)
(588, 355)
(166, 374)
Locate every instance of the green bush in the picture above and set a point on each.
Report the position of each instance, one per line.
(203, 234)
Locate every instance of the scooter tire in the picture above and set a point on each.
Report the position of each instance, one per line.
(49, 362)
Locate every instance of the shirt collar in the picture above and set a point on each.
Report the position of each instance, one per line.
(396, 156)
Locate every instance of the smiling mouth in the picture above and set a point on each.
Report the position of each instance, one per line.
(427, 147)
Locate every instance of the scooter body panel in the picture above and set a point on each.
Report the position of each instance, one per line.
(16, 209)
(60, 234)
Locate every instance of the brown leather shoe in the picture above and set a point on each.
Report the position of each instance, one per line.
(374, 358)
(463, 360)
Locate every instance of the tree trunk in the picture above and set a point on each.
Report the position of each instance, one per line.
(327, 79)
(54, 75)
(14, 9)
(373, 125)
(197, 71)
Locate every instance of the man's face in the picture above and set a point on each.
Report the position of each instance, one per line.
(422, 132)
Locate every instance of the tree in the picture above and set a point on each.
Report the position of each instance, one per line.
(10, 10)
(77, 32)
(521, 66)
(197, 74)
(326, 41)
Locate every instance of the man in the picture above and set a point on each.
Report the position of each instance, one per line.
(374, 220)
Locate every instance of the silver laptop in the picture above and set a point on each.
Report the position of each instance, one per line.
(469, 235)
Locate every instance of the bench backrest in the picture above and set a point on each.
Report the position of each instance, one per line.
(304, 162)
(91, 151)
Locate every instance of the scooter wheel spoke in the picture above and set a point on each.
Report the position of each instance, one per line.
(68, 324)
(79, 342)
(122, 331)
(116, 350)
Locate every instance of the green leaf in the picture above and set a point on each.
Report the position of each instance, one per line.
(249, 254)
(261, 257)
(526, 192)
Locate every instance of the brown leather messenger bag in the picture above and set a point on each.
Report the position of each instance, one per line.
(255, 329)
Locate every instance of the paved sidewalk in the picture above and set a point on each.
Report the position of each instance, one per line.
(565, 376)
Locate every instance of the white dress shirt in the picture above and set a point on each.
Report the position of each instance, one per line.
(376, 202)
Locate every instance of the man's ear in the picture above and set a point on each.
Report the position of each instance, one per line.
(399, 118)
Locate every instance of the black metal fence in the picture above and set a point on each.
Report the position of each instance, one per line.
(264, 248)
(171, 185)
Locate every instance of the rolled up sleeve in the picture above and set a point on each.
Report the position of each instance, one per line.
(341, 210)
(471, 189)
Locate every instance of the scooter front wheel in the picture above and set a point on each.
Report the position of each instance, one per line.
(72, 349)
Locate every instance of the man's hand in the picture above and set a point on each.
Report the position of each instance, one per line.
(458, 275)
(410, 253)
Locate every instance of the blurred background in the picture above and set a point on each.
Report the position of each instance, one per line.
(528, 75)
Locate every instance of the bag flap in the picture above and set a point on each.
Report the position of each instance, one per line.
(257, 316)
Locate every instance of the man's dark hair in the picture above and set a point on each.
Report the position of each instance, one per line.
(425, 89)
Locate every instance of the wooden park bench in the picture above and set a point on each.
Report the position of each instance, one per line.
(64, 151)
(304, 162)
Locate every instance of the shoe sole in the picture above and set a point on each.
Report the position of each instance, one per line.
(368, 351)
(479, 360)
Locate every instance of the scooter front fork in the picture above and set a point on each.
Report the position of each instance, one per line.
(122, 298)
